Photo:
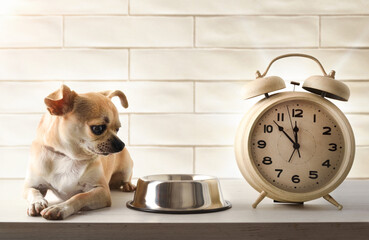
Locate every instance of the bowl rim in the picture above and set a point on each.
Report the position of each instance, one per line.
(195, 178)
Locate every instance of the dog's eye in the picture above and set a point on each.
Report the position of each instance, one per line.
(98, 129)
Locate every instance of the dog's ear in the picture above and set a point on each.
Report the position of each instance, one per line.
(61, 101)
(117, 93)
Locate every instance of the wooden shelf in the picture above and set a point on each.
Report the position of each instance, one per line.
(314, 219)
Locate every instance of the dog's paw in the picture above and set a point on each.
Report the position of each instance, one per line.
(128, 187)
(56, 212)
(35, 208)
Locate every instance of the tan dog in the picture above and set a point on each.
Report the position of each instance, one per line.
(77, 154)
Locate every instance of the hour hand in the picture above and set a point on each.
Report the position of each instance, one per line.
(280, 128)
(295, 130)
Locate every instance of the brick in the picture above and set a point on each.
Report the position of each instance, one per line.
(360, 166)
(123, 131)
(161, 160)
(350, 31)
(183, 129)
(231, 64)
(20, 130)
(359, 123)
(30, 31)
(222, 97)
(15, 160)
(25, 97)
(256, 32)
(116, 31)
(65, 7)
(222, 7)
(145, 97)
(358, 97)
(53, 64)
(227, 97)
(219, 162)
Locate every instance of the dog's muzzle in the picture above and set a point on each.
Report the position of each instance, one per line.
(113, 145)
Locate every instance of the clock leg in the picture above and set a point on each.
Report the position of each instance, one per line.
(259, 199)
(330, 199)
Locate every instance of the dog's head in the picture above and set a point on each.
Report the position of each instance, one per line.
(90, 120)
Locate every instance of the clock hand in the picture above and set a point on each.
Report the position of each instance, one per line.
(295, 130)
(292, 154)
(289, 116)
(280, 128)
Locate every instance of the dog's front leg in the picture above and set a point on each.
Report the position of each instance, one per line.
(97, 197)
(36, 200)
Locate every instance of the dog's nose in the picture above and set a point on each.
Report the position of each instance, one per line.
(117, 144)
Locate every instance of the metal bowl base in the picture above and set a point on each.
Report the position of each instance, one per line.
(228, 205)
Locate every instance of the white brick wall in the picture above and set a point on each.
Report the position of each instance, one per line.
(182, 65)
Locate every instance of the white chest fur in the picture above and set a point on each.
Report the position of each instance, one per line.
(64, 175)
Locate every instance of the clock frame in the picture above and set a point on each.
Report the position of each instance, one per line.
(254, 177)
(319, 88)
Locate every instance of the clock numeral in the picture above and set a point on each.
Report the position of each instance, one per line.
(295, 179)
(261, 144)
(333, 147)
(297, 113)
(279, 172)
(314, 118)
(326, 163)
(267, 160)
(268, 128)
(280, 117)
(328, 131)
(313, 174)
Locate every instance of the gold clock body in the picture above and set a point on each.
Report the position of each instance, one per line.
(247, 163)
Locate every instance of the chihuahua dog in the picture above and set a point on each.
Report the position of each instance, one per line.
(77, 154)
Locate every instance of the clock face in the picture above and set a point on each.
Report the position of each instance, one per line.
(297, 146)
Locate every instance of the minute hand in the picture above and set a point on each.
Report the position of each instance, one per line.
(280, 128)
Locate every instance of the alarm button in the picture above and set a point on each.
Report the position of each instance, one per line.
(327, 86)
(263, 85)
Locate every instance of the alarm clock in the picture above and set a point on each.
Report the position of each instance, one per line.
(295, 146)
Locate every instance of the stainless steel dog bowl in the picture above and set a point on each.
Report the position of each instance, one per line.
(178, 193)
